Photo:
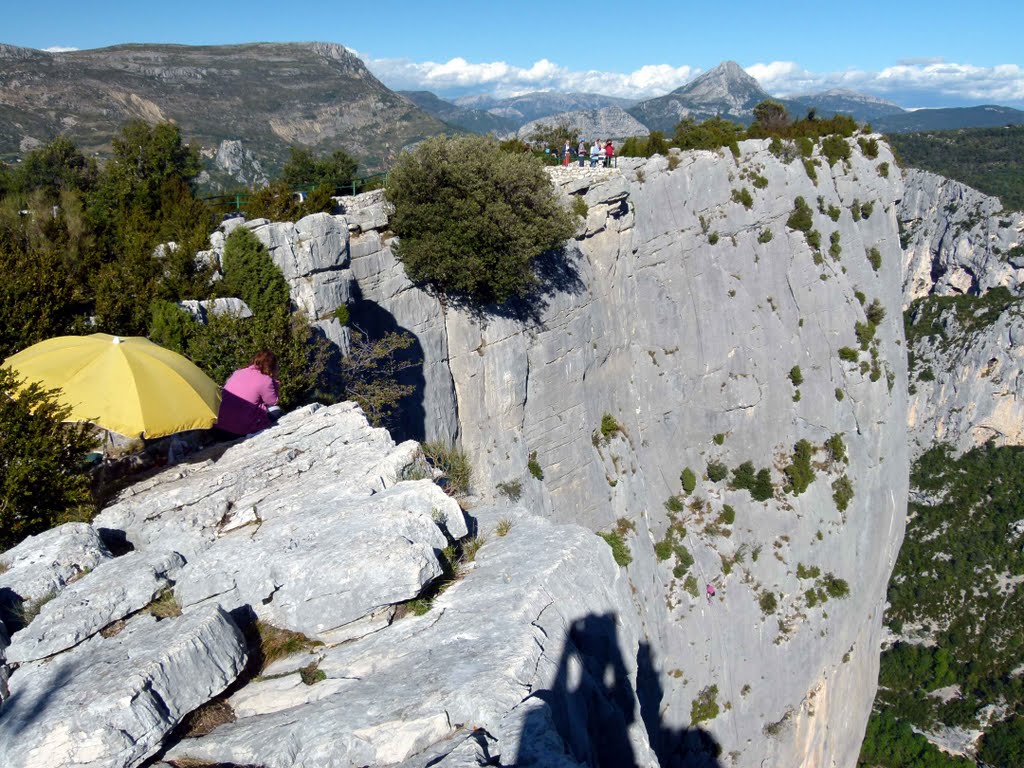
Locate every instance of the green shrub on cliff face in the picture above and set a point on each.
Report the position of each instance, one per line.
(472, 220)
(41, 462)
(801, 218)
(800, 473)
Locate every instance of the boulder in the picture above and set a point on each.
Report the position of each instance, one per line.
(41, 566)
(109, 702)
(111, 591)
(203, 310)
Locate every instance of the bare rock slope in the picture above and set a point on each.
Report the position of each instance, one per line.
(307, 532)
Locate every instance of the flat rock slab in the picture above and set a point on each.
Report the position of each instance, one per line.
(112, 591)
(327, 562)
(42, 565)
(109, 702)
(534, 604)
(184, 509)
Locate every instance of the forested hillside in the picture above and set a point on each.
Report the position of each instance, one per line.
(989, 159)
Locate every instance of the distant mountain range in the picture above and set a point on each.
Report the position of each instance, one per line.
(531, 106)
(268, 95)
(245, 105)
(467, 119)
(726, 91)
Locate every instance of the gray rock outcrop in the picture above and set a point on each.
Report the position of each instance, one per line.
(957, 240)
(966, 351)
(203, 310)
(538, 618)
(114, 589)
(308, 527)
(110, 701)
(41, 566)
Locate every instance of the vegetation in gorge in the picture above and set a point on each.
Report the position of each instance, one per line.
(956, 586)
(989, 159)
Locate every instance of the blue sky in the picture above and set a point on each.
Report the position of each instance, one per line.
(915, 53)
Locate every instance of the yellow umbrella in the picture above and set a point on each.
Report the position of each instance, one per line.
(127, 385)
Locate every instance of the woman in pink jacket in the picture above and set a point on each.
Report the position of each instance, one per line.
(248, 393)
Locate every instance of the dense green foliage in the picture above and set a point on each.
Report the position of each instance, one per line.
(799, 472)
(472, 220)
(250, 274)
(304, 169)
(989, 159)
(801, 218)
(890, 743)
(926, 317)
(758, 482)
(955, 586)
(42, 480)
(112, 248)
(770, 121)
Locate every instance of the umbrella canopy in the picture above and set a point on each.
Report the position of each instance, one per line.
(127, 385)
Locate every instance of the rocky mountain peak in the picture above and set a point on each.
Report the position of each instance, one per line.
(726, 80)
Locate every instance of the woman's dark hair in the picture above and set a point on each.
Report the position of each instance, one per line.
(265, 362)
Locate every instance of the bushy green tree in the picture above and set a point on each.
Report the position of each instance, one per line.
(304, 169)
(1004, 744)
(251, 275)
(55, 167)
(710, 134)
(42, 481)
(471, 219)
(770, 119)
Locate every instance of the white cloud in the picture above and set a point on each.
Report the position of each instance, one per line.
(504, 80)
(60, 49)
(908, 81)
(941, 80)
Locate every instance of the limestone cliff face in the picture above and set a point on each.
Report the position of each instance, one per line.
(682, 317)
(957, 239)
(967, 374)
(683, 309)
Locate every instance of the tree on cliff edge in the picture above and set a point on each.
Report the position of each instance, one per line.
(472, 219)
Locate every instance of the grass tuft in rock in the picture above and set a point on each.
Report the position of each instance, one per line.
(534, 466)
(275, 643)
(511, 490)
(616, 539)
(454, 465)
(842, 493)
(799, 473)
(311, 674)
(609, 427)
(164, 606)
(204, 719)
(768, 602)
(717, 471)
(504, 526)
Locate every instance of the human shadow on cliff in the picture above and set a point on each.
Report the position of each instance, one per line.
(408, 419)
(590, 710)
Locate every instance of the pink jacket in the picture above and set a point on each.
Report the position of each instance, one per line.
(243, 407)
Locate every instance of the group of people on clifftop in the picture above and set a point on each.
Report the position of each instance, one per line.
(602, 152)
